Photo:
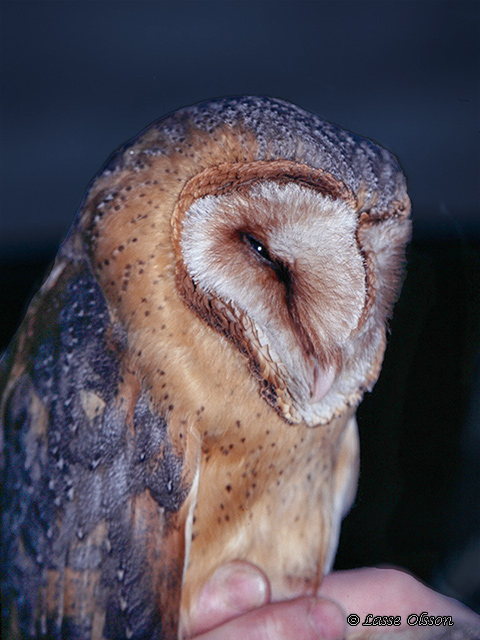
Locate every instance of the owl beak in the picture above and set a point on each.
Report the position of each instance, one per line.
(321, 383)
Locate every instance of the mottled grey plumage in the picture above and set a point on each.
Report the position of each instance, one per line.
(282, 130)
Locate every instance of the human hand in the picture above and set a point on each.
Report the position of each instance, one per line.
(235, 603)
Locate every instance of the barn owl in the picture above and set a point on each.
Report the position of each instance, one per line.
(182, 391)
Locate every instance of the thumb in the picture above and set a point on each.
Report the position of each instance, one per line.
(234, 588)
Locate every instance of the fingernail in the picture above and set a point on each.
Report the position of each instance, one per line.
(244, 586)
(327, 619)
(236, 587)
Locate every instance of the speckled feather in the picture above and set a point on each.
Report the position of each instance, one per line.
(146, 438)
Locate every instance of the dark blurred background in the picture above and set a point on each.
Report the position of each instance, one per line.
(80, 78)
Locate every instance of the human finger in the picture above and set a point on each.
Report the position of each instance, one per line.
(306, 618)
(233, 589)
(390, 593)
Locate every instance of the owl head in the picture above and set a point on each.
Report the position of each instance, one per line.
(281, 232)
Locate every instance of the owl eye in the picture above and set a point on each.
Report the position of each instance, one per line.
(260, 250)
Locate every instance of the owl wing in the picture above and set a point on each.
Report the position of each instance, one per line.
(94, 496)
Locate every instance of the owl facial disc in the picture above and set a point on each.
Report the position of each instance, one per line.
(275, 266)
